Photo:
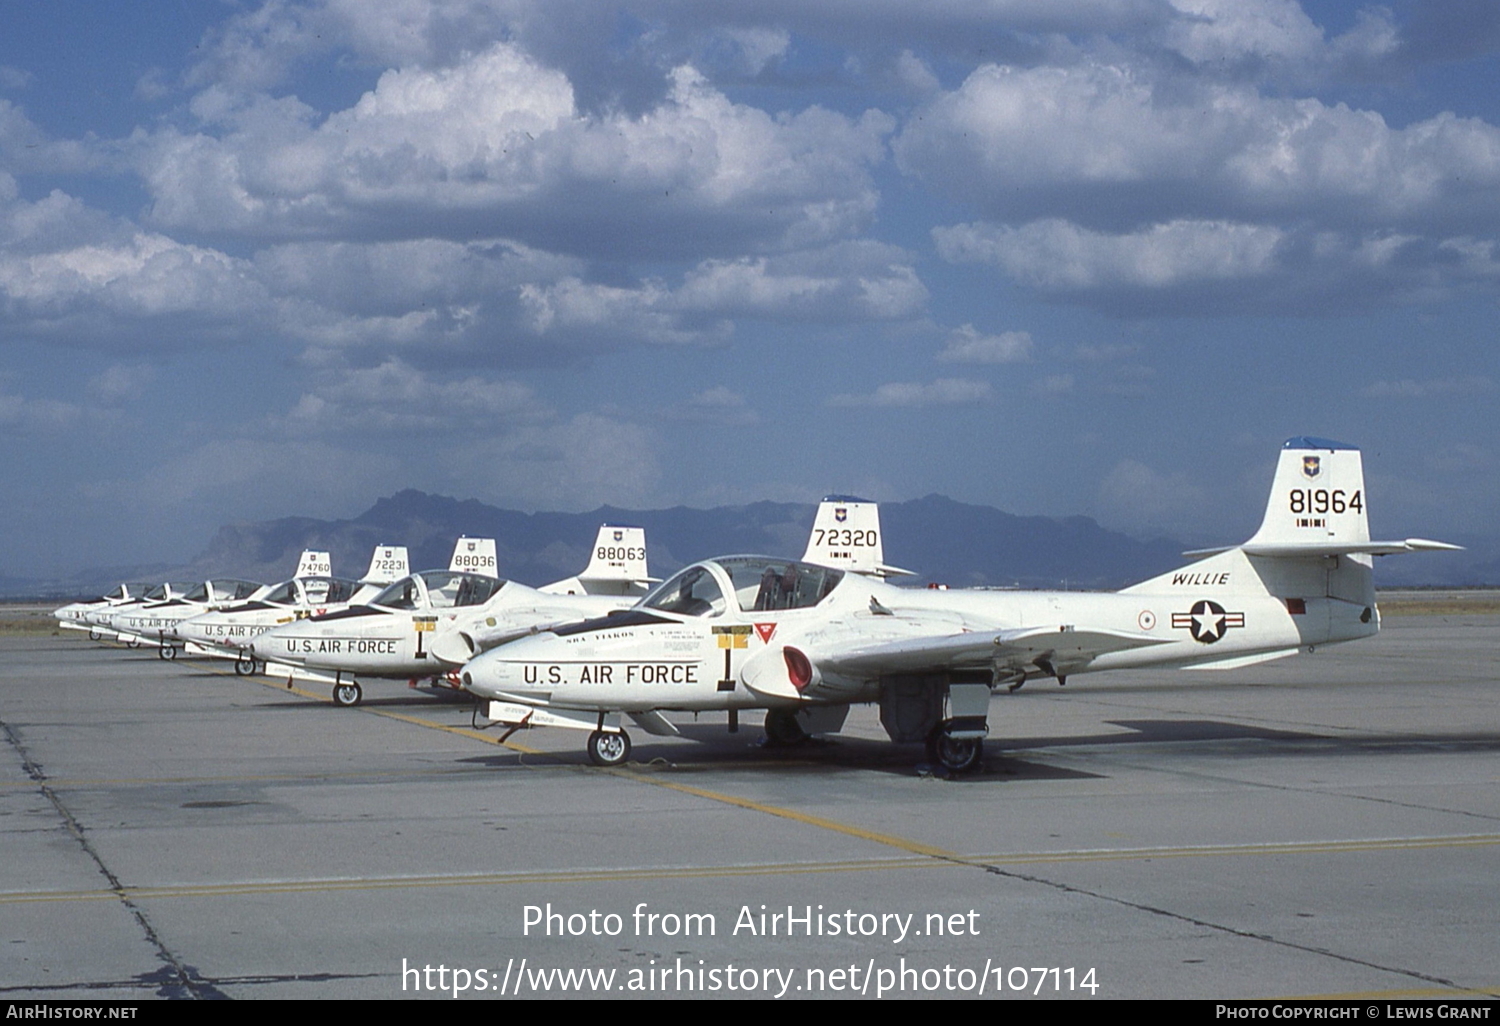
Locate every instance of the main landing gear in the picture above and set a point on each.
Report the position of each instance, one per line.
(782, 728)
(245, 664)
(347, 694)
(609, 747)
(166, 652)
(954, 754)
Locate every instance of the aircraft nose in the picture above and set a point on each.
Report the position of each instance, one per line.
(487, 676)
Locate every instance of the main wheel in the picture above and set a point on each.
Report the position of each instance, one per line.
(166, 652)
(955, 754)
(782, 727)
(132, 642)
(94, 635)
(245, 664)
(609, 748)
(347, 695)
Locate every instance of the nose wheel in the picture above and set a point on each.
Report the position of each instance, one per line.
(609, 747)
(347, 695)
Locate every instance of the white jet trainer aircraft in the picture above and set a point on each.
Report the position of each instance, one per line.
(150, 620)
(227, 633)
(155, 623)
(804, 641)
(428, 624)
(74, 615)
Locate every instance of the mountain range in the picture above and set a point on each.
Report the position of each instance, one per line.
(942, 540)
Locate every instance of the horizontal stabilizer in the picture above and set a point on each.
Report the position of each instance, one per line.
(1291, 550)
(1373, 548)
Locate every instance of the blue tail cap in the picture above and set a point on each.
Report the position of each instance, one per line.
(1304, 442)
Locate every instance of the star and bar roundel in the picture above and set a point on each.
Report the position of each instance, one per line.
(1207, 621)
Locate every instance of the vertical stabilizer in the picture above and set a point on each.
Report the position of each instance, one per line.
(1317, 498)
(617, 565)
(846, 536)
(476, 556)
(387, 564)
(314, 564)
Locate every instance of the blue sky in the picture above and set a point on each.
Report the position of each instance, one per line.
(1058, 256)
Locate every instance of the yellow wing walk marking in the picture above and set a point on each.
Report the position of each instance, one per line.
(734, 636)
(922, 858)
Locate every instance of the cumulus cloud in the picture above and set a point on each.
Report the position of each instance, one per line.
(397, 397)
(22, 414)
(497, 142)
(717, 406)
(68, 271)
(1275, 37)
(121, 383)
(942, 392)
(967, 344)
(1058, 256)
(1220, 266)
(857, 280)
(1110, 144)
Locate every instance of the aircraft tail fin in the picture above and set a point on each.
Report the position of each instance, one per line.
(1313, 542)
(846, 536)
(1318, 507)
(617, 565)
(476, 556)
(387, 564)
(314, 564)
(1317, 499)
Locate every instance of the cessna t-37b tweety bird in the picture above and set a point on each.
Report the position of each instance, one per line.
(74, 615)
(151, 620)
(804, 641)
(227, 633)
(427, 625)
(156, 623)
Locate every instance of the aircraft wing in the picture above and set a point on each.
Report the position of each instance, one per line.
(827, 667)
(1059, 645)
